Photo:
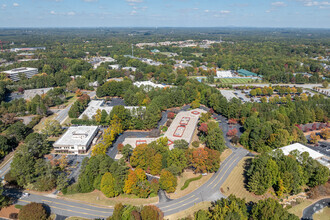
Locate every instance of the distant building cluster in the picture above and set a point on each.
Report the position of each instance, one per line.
(186, 43)
(27, 49)
(148, 85)
(15, 74)
(97, 61)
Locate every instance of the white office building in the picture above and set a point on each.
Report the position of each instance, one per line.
(76, 140)
(15, 74)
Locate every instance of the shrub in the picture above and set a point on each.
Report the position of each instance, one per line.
(170, 115)
(195, 144)
(188, 181)
(33, 211)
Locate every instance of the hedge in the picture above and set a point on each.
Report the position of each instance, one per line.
(188, 181)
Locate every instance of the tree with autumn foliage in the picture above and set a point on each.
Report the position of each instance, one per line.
(168, 181)
(232, 132)
(325, 133)
(203, 128)
(78, 93)
(137, 183)
(314, 138)
(170, 115)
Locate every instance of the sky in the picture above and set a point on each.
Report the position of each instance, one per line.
(165, 13)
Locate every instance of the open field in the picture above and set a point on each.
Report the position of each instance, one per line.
(189, 212)
(192, 186)
(226, 153)
(298, 209)
(97, 197)
(41, 124)
(197, 54)
(235, 184)
(323, 214)
(235, 80)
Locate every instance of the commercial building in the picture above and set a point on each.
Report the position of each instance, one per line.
(148, 84)
(94, 105)
(224, 74)
(182, 128)
(76, 140)
(245, 73)
(323, 159)
(15, 74)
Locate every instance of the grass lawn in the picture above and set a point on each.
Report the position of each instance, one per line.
(323, 214)
(97, 197)
(236, 80)
(41, 124)
(226, 153)
(298, 209)
(189, 212)
(235, 184)
(197, 54)
(192, 186)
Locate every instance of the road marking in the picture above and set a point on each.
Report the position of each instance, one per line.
(221, 169)
(73, 206)
(179, 202)
(4, 173)
(224, 173)
(180, 205)
(21, 200)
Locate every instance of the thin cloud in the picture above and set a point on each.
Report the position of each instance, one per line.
(134, 1)
(15, 4)
(278, 4)
(3, 6)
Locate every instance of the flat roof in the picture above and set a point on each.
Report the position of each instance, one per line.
(246, 73)
(94, 105)
(19, 70)
(79, 136)
(182, 128)
(301, 148)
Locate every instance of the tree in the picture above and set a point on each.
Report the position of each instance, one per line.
(214, 140)
(325, 84)
(270, 209)
(203, 128)
(108, 185)
(325, 133)
(151, 212)
(3, 199)
(181, 144)
(52, 128)
(127, 151)
(156, 164)
(33, 211)
(232, 132)
(167, 181)
(314, 138)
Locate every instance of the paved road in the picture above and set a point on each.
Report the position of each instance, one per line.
(63, 207)
(210, 191)
(317, 206)
(5, 169)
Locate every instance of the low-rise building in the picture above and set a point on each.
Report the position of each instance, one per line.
(94, 105)
(224, 73)
(182, 128)
(323, 159)
(76, 140)
(15, 74)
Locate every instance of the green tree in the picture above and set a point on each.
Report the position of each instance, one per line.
(108, 185)
(167, 181)
(52, 128)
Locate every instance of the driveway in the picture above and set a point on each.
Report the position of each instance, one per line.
(317, 206)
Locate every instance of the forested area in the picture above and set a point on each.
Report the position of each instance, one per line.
(237, 208)
(285, 174)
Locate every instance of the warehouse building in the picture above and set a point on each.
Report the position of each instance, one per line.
(246, 73)
(76, 140)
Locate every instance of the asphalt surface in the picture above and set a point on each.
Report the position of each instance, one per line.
(210, 191)
(63, 207)
(312, 209)
(5, 169)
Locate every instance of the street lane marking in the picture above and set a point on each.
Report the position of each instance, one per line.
(179, 202)
(21, 200)
(73, 206)
(180, 205)
(3, 173)
(225, 173)
(221, 169)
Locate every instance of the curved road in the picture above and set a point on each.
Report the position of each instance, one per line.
(317, 206)
(210, 191)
